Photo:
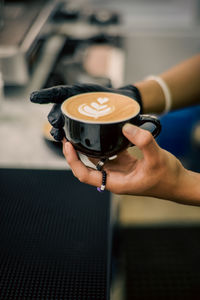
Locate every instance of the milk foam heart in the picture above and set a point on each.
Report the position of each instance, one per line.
(97, 106)
(102, 100)
(96, 110)
(87, 110)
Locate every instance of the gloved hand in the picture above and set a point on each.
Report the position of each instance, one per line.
(58, 94)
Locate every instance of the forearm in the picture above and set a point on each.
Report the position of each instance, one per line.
(183, 81)
(173, 181)
(188, 188)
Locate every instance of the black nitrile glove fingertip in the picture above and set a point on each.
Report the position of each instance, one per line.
(39, 98)
(57, 134)
(33, 97)
(56, 121)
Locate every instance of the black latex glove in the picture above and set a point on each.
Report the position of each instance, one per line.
(58, 94)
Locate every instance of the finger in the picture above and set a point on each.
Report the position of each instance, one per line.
(55, 117)
(143, 139)
(83, 173)
(57, 134)
(55, 94)
(58, 94)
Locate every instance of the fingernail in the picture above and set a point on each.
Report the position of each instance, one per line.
(129, 128)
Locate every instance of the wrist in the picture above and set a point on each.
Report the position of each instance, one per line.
(152, 96)
(188, 188)
(177, 184)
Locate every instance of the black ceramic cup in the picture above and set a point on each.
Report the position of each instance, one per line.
(104, 139)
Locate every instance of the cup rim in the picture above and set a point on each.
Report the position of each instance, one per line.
(98, 122)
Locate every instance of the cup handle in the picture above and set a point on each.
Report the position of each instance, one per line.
(145, 119)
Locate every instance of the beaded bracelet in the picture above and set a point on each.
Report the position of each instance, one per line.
(103, 185)
(100, 164)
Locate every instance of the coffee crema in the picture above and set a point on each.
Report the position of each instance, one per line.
(100, 107)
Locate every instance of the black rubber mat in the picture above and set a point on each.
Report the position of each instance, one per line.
(54, 237)
(161, 263)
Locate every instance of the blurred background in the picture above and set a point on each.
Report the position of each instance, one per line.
(109, 42)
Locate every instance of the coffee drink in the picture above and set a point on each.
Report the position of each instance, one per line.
(93, 122)
(100, 107)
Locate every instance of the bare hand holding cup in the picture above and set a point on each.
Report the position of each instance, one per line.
(157, 174)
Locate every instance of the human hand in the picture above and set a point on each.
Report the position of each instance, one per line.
(157, 174)
(59, 94)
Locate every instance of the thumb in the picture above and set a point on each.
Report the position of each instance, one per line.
(143, 139)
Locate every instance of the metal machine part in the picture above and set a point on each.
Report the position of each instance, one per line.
(29, 25)
(20, 41)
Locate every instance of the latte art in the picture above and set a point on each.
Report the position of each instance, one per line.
(100, 107)
(96, 109)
